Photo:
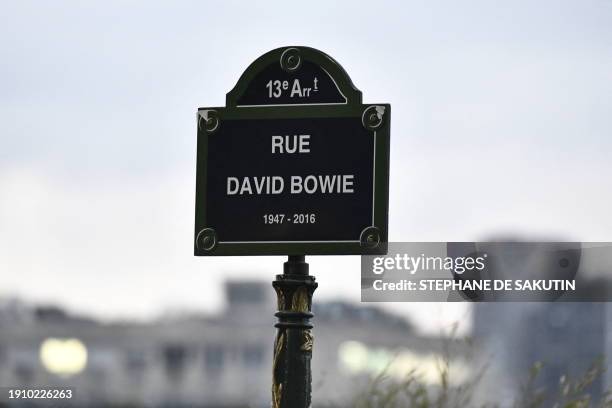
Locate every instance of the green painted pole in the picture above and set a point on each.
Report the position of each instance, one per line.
(292, 376)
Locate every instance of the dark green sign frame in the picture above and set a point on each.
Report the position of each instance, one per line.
(244, 102)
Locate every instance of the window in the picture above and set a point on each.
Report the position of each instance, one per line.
(175, 357)
(214, 356)
(135, 362)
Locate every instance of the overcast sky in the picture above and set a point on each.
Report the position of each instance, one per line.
(501, 125)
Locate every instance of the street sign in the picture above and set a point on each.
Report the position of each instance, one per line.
(294, 164)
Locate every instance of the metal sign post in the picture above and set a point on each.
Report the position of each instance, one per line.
(292, 378)
(296, 165)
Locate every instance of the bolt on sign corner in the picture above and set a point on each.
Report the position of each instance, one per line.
(294, 164)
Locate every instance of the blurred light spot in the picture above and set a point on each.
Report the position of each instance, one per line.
(353, 356)
(356, 358)
(63, 356)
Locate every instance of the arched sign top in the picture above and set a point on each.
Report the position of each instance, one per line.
(290, 76)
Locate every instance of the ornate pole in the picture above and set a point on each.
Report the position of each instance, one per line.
(292, 378)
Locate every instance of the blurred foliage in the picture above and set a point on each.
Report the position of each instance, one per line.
(411, 392)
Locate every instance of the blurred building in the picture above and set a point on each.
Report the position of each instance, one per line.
(566, 338)
(209, 361)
